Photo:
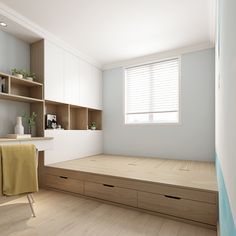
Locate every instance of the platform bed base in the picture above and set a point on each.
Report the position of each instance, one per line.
(188, 205)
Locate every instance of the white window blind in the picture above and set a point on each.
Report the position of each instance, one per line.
(152, 93)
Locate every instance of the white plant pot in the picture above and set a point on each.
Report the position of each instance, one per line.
(93, 128)
(19, 76)
(29, 78)
(19, 128)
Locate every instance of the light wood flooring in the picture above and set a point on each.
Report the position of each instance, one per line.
(66, 215)
(191, 174)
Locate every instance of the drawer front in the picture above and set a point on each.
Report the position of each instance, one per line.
(111, 193)
(174, 206)
(64, 183)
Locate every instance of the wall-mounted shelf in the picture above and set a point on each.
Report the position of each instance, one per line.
(21, 90)
(72, 117)
(95, 116)
(61, 110)
(78, 118)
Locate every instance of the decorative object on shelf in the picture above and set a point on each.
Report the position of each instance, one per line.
(31, 121)
(30, 76)
(19, 128)
(51, 121)
(93, 126)
(20, 74)
(18, 136)
(2, 85)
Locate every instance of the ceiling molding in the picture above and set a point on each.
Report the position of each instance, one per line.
(158, 56)
(42, 33)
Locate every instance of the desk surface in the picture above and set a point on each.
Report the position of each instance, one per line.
(24, 139)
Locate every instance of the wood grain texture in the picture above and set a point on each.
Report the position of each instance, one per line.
(60, 214)
(111, 193)
(184, 208)
(78, 118)
(37, 60)
(64, 183)
(189, 174)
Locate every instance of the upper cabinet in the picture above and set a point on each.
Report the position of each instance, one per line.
(67, 78)
(71, 79)
(54, 72)
(90, 85)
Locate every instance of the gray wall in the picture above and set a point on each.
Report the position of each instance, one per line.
(226, 107)
(193, 139)
(13, 53)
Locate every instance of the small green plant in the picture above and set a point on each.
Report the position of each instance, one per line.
(31, 120)
(93, 125)
(17, 71)
(31, 75)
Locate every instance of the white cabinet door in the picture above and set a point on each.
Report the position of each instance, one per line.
(71, 78)
(85, 83)
(90, 85)
(54, 72)
(77, 143)
(96, 93)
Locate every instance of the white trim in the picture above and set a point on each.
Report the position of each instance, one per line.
(159, 56)
(42, 33)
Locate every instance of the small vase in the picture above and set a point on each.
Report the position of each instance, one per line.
(19, 128)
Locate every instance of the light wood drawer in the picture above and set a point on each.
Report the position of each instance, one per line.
(187, 209)
(186, 193)
(65, 183)
(111, 193)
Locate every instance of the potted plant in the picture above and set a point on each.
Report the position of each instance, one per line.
(93, 126)
(30, 76)
(20, 74)
(31, 121)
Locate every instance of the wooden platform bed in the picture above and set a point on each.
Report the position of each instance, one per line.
(183, 190)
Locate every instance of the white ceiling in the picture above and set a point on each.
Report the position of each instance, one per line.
(116, 30)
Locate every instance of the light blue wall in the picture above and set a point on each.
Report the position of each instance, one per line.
(193, 139)
(13, 53)
(227, 226)
(226, 114)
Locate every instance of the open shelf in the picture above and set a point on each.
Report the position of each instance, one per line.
(18, 98)
(26, 88)
(78, 118)
(4, 83)
(95, 116)
(61, 111)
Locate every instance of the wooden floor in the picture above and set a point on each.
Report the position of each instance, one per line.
(191, 174)
(60, 214)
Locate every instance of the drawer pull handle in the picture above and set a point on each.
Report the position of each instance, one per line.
(108, 185)
(63, 177)
(173, 197)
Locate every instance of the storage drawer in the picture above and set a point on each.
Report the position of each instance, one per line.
(111, 193)
(188, 209)
(64, 183)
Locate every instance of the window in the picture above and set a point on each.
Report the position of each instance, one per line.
(152, 93)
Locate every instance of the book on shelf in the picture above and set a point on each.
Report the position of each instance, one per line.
(18, 136)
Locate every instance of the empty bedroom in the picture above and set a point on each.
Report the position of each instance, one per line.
(117, 118)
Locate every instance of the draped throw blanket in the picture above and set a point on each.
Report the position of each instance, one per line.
(18, 169)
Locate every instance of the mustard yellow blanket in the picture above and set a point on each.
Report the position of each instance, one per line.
(18, 169)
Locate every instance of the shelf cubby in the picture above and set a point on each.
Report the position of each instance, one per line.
(4, 83)
(78, 118)
(95, 116)
(61, 110)
(25, 88)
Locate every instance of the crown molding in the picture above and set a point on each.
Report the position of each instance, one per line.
(159, 56)
(24, 22)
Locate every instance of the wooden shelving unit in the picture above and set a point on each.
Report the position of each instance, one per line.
(78, 118)
(26, 88)
(61, 110)
(95, 116)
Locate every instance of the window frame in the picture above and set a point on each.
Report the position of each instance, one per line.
(180, 92)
